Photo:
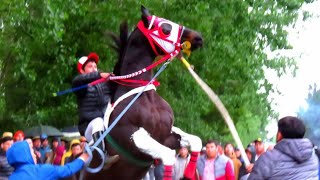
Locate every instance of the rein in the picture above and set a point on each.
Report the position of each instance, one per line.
(122, 78)
(106, 132)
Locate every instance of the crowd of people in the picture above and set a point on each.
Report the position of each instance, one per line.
(293, 157)
(36, 158)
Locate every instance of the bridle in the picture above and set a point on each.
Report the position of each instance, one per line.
(168, 42)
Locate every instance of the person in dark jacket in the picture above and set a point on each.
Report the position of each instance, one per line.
(23, 159)
(76, 151)
(5, 168)
(92, 101)
(293, 157)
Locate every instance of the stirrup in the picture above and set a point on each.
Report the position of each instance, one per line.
(95, 138)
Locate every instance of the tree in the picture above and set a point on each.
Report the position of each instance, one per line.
(311, 115)
(40, 43)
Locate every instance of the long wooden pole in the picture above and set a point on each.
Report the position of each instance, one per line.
(215, 99)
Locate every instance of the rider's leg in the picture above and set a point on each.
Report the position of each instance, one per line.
(93, 133)
(148, 145)
(195, 144)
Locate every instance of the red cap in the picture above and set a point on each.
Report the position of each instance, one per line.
(84, 59)
(17, 133)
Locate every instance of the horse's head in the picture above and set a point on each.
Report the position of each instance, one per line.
(166, 35)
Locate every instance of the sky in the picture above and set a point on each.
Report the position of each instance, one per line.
(305, 39)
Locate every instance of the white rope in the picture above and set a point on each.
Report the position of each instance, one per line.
(215, 99)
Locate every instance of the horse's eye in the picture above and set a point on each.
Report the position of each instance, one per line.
(165, 29)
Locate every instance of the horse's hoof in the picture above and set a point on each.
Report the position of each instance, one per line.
(110, 161)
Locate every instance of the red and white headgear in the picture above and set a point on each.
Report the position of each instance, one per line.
(84, 59)
(168, 43)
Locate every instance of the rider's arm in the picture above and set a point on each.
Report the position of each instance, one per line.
(83, 79)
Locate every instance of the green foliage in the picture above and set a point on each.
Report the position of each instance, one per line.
(41, 40)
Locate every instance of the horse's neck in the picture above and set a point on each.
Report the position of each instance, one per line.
(137, 56)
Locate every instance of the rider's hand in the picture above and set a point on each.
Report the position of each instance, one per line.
(84, 157)
(105, 75)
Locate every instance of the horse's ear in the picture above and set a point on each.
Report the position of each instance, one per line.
(144, 16)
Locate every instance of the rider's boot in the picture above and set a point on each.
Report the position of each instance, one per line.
(110, 160)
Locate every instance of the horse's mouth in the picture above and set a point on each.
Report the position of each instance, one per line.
(196, 43)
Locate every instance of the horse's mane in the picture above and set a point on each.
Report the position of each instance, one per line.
(119, 45)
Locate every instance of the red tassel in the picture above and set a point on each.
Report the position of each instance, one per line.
(167, 175)
(190, 170)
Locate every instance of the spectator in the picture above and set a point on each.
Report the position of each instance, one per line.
(211, 165)
(64, 142)
(76, 151)
(259, 147)
(182, 160)
(158, 169)
(220, 149)
(243, 174)
(238, 153)
(69, 152)
(55, 143)
(293, 156)
(258, 151)
(18, 136)
(22, 158)
(5, 168)
(58, 155)
(36, 143)
(45, 149)
(229, 152)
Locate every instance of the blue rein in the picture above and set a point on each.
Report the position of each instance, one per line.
(94, 146)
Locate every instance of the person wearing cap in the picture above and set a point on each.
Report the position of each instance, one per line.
(45, 149)
(5, 168)
(93, 100)
(259, 147)
(258, 151)
(243, 174)
(26, 166)
(293, 157)
(18, 136)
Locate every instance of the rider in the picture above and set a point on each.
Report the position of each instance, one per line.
(93, 100)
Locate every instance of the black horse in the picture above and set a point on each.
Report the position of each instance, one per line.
(150, 111)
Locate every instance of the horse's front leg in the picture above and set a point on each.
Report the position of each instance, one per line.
(148, 145)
